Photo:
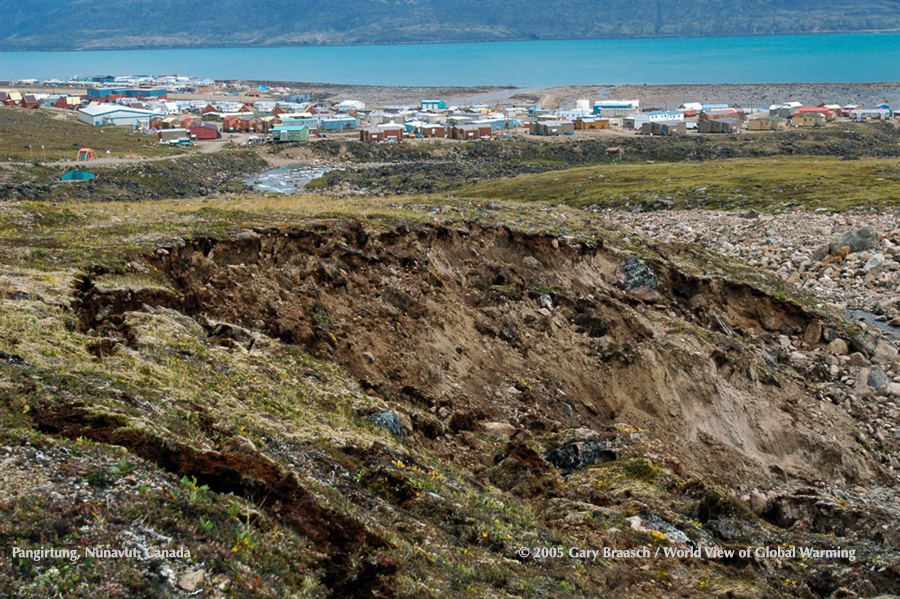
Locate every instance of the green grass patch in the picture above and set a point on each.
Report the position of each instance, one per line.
(762, 183)
(23, 132)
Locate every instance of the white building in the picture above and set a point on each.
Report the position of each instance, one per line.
(657, 115)
(111, 114)
(348, 105)
(617, 107)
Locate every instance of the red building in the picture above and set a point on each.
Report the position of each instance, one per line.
(826, 112)
(206, 131)
(29, 101)
(68, 102)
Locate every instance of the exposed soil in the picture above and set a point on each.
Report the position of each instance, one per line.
(447, 320)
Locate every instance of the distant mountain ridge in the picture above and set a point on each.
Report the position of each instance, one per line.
(121, 24)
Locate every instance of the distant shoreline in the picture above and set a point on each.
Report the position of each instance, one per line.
(189, 46)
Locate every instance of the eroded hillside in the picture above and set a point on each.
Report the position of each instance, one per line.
(395, 408)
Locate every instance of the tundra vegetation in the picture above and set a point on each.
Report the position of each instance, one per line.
(390, 395)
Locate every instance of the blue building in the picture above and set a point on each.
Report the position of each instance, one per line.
(337, 123)
(141, 93)
(433, 105)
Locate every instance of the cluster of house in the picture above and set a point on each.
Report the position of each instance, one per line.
(722, 118)
(284, 114)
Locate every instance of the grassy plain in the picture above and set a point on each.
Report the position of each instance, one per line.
(23, 132)
(761, 183)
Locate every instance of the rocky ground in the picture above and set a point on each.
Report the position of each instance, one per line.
(849, 263)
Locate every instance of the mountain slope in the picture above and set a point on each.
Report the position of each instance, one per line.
(96, 24)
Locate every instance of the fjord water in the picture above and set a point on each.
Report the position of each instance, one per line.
(817, 58)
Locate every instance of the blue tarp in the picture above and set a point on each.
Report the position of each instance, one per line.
(78, 176)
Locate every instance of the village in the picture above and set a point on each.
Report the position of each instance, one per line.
(181, 110)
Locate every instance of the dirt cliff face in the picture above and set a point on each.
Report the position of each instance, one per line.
(463, 327)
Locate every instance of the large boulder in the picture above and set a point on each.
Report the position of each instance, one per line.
(865, 238)
(638, 279)
(580, 454)
(873, 380)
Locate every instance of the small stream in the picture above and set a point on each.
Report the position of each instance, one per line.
(286, 179)
(870, 319)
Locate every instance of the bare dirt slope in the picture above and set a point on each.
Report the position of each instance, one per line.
(449, 322)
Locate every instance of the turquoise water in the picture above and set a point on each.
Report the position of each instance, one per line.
(852, 58)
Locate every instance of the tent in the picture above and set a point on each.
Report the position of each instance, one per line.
(85, 154)
(78, 176)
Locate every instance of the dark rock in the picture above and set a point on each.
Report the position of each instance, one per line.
(821, 252)
(829, 334)
(878, 381)
(863, 239)
(723, 529)
(389, 420)
(580, 454)
(633, 273)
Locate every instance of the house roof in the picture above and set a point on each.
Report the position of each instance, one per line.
(102, 109)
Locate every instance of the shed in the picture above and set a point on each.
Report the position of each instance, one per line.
(862, 114)
(720, 126)
(290, 133)
(809, 119)
(429, 130)
(767, 123)
(722, 113)
(205, 131)
(381, 132)
(664, 128)
(691, 108)
(86, 154)
(549, 128)
(68, 102)
(170, 135)
(829, 114)
(11, 97)
(338, 123)
(77, 176)
(470, 132)
(30, 101)
(585, 123)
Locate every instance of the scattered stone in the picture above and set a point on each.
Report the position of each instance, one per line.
(857, 359)
(838, 347)
(813, 333)
(873, 379)
(191, 581)
(499, 430)
(874, 262)
(860, 240)
(757, 501)
(389, 420)
(580, 454)
(545, 301)
(634, 276)
(883, 352)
